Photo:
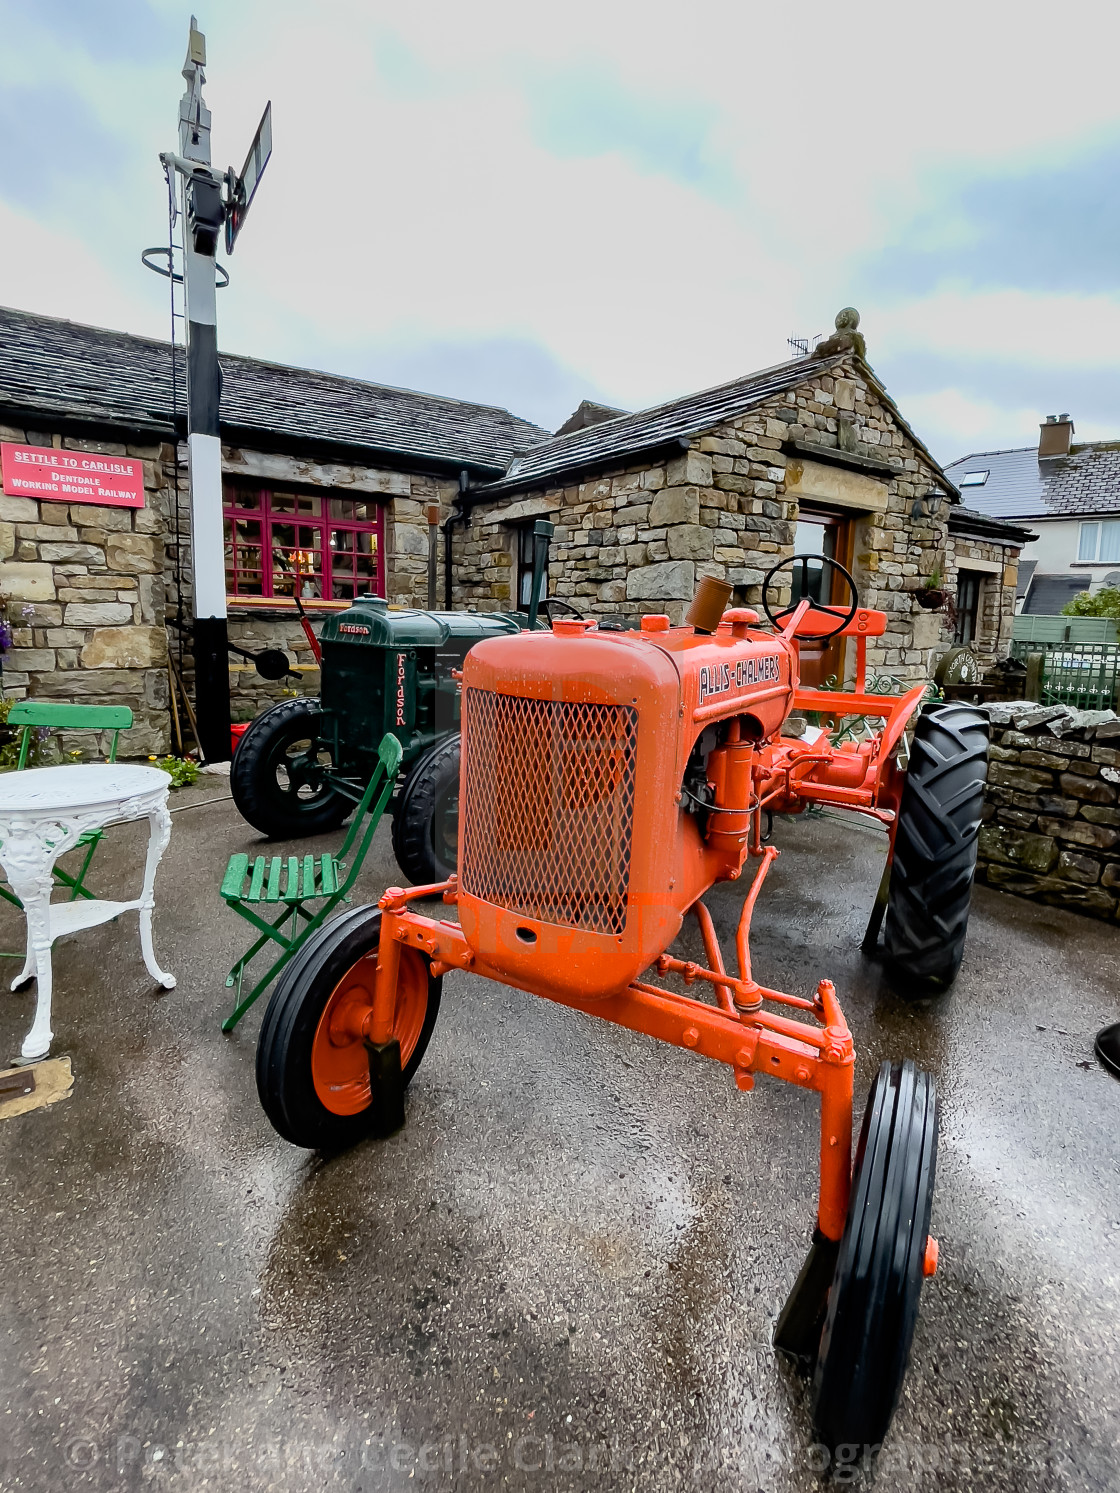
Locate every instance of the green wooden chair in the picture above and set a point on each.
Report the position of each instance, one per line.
(250, 887)
(33, 715)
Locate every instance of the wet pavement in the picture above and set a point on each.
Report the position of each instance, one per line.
(564, 1271)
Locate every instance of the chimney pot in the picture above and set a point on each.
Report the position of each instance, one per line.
(1054, 436)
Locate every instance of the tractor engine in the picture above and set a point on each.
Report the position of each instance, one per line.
(607, 781)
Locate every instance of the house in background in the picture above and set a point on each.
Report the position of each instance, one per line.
(1068, 494)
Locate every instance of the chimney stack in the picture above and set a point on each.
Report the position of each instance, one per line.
(1054, 436)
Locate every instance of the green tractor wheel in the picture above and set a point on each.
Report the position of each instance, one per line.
(278, 776)
(426, 820)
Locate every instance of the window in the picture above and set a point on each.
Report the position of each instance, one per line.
(968, 605)
(813, 536)
(973, 479)
(1100, 542)
(525, 539)
(271, 534)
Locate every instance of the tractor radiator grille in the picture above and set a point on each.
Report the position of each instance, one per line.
(548, 808)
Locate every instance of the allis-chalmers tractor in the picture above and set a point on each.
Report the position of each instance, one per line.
(608, 781)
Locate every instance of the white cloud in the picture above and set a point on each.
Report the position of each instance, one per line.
(1062, 331)
(411, 203)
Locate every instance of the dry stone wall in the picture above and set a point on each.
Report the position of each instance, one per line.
(85, 593)
(635, 539)
(1052, 810)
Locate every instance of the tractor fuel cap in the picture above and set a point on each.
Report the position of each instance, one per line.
(573, 627)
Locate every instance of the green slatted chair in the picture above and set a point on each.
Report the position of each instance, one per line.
(32, 715)
(294, 885)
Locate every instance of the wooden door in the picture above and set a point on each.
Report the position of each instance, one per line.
(831, 536)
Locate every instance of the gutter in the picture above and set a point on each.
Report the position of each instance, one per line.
(461, 515)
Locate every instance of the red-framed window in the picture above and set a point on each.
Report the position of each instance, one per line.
(335, 544)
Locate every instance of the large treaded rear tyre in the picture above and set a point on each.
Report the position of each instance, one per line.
(935, 848)
(426, 821)
(313, 1074)
(276, 780)
(873, 1301)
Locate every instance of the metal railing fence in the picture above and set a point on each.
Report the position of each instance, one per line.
(1084, 675)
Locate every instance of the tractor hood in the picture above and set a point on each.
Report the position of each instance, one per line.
(371, 621)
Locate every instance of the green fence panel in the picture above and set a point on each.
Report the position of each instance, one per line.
(1065, 630)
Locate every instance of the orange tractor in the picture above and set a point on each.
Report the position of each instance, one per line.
(608, 781)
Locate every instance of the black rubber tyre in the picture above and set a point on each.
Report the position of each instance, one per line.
(285, 1077)
(873, 1302)
(277, 783)
(935, 848)
(426, 821)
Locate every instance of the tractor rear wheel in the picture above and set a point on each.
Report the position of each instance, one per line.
(426, 821)
(935, 848)
(277, 777)
(313, 1067)
(884, 1254)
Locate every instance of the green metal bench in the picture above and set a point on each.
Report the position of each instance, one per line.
(32, 715)
(292, 883)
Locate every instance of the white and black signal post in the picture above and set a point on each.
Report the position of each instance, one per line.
(204, 211)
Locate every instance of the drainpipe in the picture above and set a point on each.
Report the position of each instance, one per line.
(456, 513)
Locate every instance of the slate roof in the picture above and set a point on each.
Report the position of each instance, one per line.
(970, 522)
(1048, 594)
(53, 367)
(627, 436)
(1020, 486)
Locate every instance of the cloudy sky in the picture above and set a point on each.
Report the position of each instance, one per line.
(529, 204)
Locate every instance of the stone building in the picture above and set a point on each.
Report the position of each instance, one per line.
(809, 456)
(329, 474)
(331, 485)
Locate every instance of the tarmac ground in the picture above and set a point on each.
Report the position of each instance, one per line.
(564, 1271)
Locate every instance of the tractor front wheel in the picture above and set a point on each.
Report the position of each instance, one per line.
(935, 848)
(426, 821)
(279, 777)
(314, 1070)
(884, 1254)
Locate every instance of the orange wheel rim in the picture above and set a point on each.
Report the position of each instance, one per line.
(339, 1061)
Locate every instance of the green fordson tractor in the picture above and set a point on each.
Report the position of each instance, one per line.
(303, 765)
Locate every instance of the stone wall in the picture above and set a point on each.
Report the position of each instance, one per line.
(1052, 821)
(85, 593)
(636, 538)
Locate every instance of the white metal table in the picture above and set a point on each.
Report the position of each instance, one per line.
(43, 814)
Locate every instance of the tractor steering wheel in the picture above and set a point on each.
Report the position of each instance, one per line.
(548, 602)
(779, 617)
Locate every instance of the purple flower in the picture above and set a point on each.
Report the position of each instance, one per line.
(28, 610)
(5, 635)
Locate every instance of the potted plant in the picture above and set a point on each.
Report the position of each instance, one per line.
(930, 594)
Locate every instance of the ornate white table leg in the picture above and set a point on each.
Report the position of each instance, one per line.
(159, 822)
(28, 860)
(28, 971)
(37, 1043)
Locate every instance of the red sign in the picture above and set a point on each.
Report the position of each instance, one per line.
(72, 476)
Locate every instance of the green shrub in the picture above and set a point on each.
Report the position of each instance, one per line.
(1102, 603)
(181, 770)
